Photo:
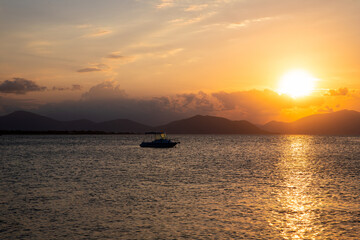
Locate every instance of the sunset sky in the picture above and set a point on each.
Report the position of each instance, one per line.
(159, 60)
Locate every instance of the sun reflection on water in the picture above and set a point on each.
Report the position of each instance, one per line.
(296, 210)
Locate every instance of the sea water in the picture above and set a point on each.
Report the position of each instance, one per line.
(208, 187)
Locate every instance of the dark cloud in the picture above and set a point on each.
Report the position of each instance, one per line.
(200, 102)
(89, 69)
(150, 111)
(95, 68)
(116, 56)
(74, 87)
(59, 89)
(120, 58)
(338, 92)
(107, 101)
(20, 86)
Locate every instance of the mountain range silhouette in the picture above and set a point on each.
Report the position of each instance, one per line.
(345, 122)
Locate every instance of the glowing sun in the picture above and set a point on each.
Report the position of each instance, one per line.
(297, 83)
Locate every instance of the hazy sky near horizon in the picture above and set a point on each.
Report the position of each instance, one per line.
(158, 60)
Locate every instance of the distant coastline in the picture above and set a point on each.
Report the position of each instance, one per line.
(15, 132)
(345, 122)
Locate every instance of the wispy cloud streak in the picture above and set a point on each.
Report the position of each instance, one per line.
(248, 22)
(165, 4)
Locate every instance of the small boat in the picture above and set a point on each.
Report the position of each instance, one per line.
(159, 140)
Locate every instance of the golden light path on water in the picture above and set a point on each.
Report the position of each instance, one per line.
(298, 207)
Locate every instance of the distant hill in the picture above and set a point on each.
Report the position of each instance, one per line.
(210, 125)
(121, 125)
(27, 121)
(345, 122)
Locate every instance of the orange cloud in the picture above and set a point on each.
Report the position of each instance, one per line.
(165, 4)
(338, 92)
(194, 8)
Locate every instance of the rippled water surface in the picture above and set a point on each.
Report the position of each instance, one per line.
(210, 187)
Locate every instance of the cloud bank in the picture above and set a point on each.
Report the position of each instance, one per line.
(20, 86)
(74, 87)
(107, 101)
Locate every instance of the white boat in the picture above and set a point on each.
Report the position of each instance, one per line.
(159, 140)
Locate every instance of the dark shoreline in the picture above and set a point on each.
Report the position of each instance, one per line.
(16, 132)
